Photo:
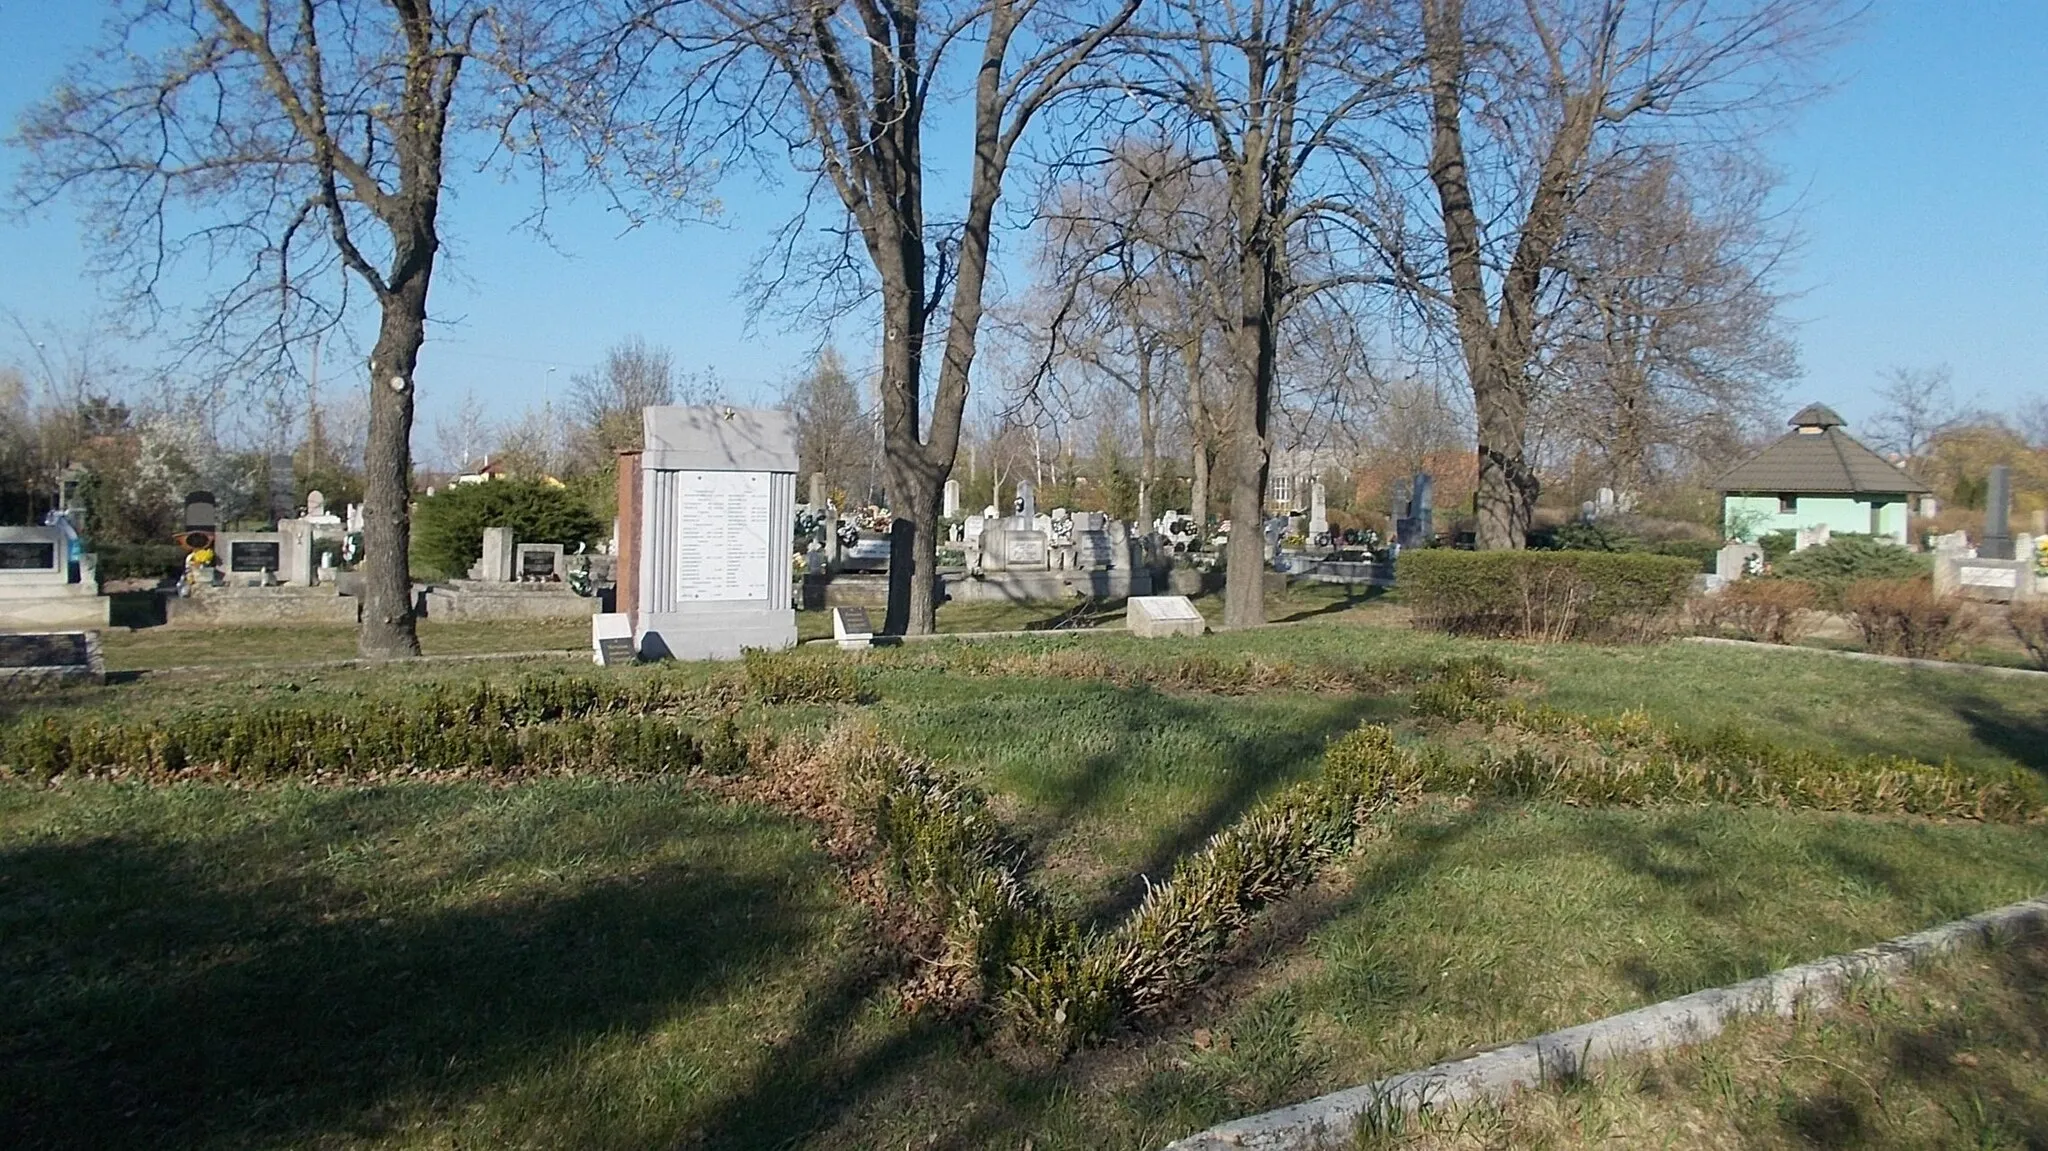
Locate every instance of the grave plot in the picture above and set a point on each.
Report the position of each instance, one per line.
(1092, 894)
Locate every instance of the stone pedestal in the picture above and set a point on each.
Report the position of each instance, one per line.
(1157, 616)
(489, 599)
(231, 606)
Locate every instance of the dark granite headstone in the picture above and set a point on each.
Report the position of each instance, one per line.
(28, 555)
(254, 555)
(54, 649)
(536, 563)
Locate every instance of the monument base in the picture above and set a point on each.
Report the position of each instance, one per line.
(52, 608)
(830, 591)
(489, 599)
(231, 606)
(725, 633)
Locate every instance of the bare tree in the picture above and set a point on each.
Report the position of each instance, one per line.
(607, 400)
(833, 428)
(281, 143)
(1526, 106)
(843, 89)
(1666, 348)
(1918, 404)
(1275, 97)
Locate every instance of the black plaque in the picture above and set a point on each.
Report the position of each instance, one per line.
(28, 555)
(615, 650)
(536, 563)
(253, 555)
(854, 621)
(59, 649)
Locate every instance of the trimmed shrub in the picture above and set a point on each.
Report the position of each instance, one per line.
(790, 677)
(534, 723)
(1765, 610)
(2029, 623)
(1905, 617)
(448, 527)
(1845, 559)
(1544, 595)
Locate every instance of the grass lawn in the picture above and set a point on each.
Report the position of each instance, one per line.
(631, 963)
(1954, 1056)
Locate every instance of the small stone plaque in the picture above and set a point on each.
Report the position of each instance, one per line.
(851, 628)
(1157, 616)
(536, 563)
(1024, 549)
(611, 639)
(28, 556)
(254, 555)
(1974, 576)
(54, 649)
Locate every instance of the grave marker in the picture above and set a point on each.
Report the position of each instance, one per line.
(1158, 616)
(851, 628)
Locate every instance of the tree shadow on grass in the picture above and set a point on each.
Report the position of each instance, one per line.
(2018, 735)
(146, 1001)
(1257, 762)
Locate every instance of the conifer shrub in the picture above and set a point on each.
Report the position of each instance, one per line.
(1563, 595)
(1848, 559)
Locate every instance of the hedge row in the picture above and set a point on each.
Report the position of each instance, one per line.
(599, 721)
(1203, 672)
(341, 743)
(1565, 595)
(1632, 760)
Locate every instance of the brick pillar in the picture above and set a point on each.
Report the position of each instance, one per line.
(628, 598)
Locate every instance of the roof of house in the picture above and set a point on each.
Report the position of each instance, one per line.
(1818, 456)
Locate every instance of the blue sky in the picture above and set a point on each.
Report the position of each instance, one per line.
(1921, 180)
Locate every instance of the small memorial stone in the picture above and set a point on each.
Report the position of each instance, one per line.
(850, 626)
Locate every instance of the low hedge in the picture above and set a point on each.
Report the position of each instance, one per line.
(140, 561)
(1544, 595)
(543, 722)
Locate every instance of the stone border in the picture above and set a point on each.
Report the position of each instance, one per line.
(1892, 660)
(1332, 1119)
(44, 677)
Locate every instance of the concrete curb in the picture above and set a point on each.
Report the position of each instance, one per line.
(1893, 660)
(1332, 1119)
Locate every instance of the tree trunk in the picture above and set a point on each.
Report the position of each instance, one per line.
(1507, 486)
(913, 556)
(389, 628)
(1244, 583)
(1148, 442)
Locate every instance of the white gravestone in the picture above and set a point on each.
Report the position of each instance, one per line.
(851, 627)
(494, 565)
(1737, 560)
(1816, 536)
(1156, 616)
(718, 511)
(611, 639)
(949, 505)
(1318, 511)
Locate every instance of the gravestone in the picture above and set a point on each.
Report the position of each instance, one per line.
(1318, 512)
(538, 563)
(1736, 560)
(817, 492)
(495, 563)
(1954, 543)
(1816, 536)
(247, 554)
(611, 639)
(719, 510)
(41, 588)
(355, 519)
(971, 535)
(1027, 506)
(869, 553)
(295, 541)
(1157, 616)
(44, 659)
(1094, 550)
(1997, 543)
(201, 514)
(851, 627)
(949, 504)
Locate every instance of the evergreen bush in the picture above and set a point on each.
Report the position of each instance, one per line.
(448, 527)
(1845, 559)
(1544, 595)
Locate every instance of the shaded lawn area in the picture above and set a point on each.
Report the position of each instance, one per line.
(1955, 1055)
(565, 963)
(196, 646)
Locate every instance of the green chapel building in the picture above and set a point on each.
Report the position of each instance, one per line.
(1813, 475)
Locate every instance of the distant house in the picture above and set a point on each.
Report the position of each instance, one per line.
(1814, 475)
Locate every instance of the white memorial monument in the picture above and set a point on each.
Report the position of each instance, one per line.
(717, 514)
